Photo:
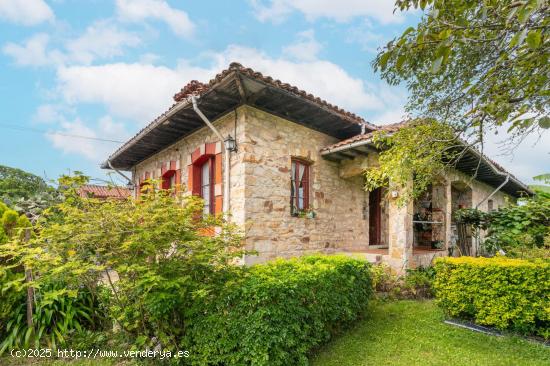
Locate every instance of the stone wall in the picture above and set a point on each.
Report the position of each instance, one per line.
(260, 191)
(181, 151)
(339, 203)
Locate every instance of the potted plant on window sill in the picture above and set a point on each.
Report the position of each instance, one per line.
(304, 213)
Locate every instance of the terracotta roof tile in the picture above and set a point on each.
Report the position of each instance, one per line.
(198, 88)
(104, 192)
(195, 87)
(366, 136)
(395, 127)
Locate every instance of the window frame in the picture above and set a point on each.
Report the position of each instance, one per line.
(167, 179)
(295, 185)
(211, 200)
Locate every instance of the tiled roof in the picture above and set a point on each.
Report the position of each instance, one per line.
(395, 127)
(366, 136)
(195, 87)
(96, 191)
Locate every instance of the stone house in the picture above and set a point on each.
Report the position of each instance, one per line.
(288, 168)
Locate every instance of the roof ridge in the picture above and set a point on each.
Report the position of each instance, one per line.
(197, 87)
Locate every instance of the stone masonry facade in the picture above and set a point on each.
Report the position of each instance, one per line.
(260, 191)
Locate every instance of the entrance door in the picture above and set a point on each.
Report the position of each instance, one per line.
(375, 217)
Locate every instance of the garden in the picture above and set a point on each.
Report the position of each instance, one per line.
(147, 275)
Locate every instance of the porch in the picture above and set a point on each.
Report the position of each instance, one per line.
(408, 235)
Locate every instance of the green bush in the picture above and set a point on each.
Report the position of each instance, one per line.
(276, 313)
(515, 229)
(11, 296)
(415, 284)
(59, 312)
(506, 293)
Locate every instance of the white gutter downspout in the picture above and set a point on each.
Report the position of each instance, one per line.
(496, 190)
(227, 160)
(120, 173)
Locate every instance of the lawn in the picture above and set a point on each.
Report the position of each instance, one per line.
(399, 333)
(412, 333)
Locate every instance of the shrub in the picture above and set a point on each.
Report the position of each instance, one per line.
(152, 253)
(418, 282)
(514, 228)
(506, 293)
(10, 297)
(415, 284)
(59, 313)
(276, 313)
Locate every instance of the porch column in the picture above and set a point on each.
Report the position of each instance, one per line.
(448, 214)
(401, 234)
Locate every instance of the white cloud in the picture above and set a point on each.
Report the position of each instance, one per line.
(101, 40)
(25, 12)
(394, 98)
(33, 52)
(367, 36)
(341, 11)
(526, 160)
(140, 91)
(135, 91)
(306, 48)
(141, 10)
(48, 113)
(92, 149)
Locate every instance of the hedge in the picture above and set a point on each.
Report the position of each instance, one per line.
(506, 293)
(276, 313)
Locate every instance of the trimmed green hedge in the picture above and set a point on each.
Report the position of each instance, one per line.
(276, 313)
(505, 293)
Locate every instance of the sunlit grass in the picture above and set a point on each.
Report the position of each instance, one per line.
(412, 333)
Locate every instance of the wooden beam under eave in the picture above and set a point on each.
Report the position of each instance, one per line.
(254, 97)
(242, 92)
(348, 154)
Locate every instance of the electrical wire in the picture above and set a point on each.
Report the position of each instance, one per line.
(26, 129)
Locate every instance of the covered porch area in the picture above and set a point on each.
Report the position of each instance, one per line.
(408, 235)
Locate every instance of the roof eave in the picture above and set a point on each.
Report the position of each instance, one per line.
(328, 151)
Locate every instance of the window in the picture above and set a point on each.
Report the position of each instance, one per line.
(299, 186)
(207, 186)
(490, 205)
(169, 179)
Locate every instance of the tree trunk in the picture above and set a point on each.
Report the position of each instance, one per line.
(462, 242)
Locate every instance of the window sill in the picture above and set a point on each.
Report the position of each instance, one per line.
(298, 216)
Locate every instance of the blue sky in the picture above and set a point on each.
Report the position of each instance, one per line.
(104, 69)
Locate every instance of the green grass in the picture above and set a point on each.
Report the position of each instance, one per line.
(50, 362)
(413, 333)
(397, 333)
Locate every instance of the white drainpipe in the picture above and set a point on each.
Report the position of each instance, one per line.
(227, 160)
(130, 182)
(495, 191)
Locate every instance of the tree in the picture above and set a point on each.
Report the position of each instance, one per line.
(475, 64)
(417, 153)
(155, 254)
(16, 183)
(542, 190)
